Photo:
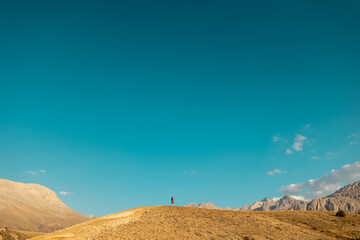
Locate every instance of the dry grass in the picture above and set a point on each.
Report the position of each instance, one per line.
(187, 223)
(7, 234)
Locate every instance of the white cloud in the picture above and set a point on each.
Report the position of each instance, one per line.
(288, 151)
(91, 215)
(36, 173)
(301, 198)
(292, 188)
(353, 135)
(307, 126)
(276, 138)
(329, 155)
(326, 184)
(354, 142)
(276, 171)
(275, 199)
(298, 142)
(64, 193)
(315, 158)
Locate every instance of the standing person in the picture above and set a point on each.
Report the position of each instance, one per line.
(172, 201)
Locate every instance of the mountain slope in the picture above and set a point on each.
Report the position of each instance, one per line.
(350, 191)
(189, 223)
(349, 205)
(203, 206)
(33, 207)
(346, 198)
(289, 203)
(284, 203)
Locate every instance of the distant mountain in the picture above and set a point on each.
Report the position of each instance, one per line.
(334, 204)
(346, 198)
(33, 207)
(350, 191)
(203, 206)
(284, 203)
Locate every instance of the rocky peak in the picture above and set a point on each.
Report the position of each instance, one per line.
(266, 200)
(351, 191)
(203, 205)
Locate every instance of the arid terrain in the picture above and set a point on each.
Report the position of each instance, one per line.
(37, 209)
(33, 207)
(165, 222)
(7, 234)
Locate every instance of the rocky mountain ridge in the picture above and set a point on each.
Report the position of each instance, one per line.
(346, 198)
(203, 206)
(285, 203)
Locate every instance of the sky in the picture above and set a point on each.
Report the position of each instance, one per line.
(121, 104)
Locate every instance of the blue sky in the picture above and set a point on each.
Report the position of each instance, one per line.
(124, 104)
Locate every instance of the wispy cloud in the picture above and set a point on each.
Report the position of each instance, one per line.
(190, 172)
(274, 172)
(326, 184)
(307, 126)
(288, 151)
(276, 138)
(354, 142)
(354, 135)
(64, 193)
(32, 173)
(315, 158)
(275, 199)
(298, 142)
(35, 173)
(329, 155)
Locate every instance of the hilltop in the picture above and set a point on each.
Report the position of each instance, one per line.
(33, 207)
(165, 222)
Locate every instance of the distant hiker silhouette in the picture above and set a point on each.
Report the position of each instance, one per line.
(172, 201)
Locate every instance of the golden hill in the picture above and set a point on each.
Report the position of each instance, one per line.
(165, 222)
(33, 207)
